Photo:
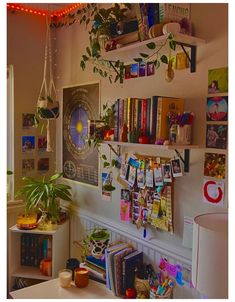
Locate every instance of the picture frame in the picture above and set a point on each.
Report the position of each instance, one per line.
(216, 136)
(80, 162)
(166, 171)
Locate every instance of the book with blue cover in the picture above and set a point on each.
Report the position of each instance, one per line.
(97, 262)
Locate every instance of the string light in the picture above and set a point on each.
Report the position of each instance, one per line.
(40, 12)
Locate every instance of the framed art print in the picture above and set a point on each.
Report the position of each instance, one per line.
(80, 104)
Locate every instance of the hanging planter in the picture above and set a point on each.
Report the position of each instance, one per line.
(47, 104)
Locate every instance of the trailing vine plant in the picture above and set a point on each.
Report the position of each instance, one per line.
(102, 19)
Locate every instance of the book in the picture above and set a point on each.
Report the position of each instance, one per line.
(143, 116)
(135, 114)
(153, 118)
(173, 12)
(116, 120)
(93, 272)
(129, 264)
(153, 13)
(139, 114)
(97, 262)
(142, 18)
(164, 106)
(148, 109)
(118, 258)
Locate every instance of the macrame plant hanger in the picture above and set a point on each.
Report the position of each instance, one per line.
(47, 105)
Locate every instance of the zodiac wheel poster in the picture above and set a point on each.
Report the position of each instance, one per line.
(80, 104)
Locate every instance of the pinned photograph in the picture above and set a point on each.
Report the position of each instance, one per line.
(150, 68)
(42, 143)
(28, 165)
(27, 120)
(140, 178)
(218, 80)
(217, 108)
(216, 136)
(106, 195)
(166, 171)
(158, 177)
(176, 167)
(43, 165)
(142, 69)
(125, 210)
(28, 143)
(134, 70)
(125, 194)
(131, 176)
(214, 165)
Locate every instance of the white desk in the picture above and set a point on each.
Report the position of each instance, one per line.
(52, 290)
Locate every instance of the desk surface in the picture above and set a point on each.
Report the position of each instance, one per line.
(52, 290)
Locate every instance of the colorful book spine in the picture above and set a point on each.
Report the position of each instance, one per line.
(139, 114)
(142, 18)
(116, 122)
(135, 114)
(153, 14)
(153, 118)
(143, 116)
(125, 105)
(120, 118)
(148, 111)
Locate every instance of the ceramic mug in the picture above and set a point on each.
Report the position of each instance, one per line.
(172, 27)
(81, 277)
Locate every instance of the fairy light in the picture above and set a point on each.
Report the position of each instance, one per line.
(40, 12)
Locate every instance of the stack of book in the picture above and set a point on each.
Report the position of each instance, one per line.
(96, 268)
(34, 248)
(145, 117)
(121, 262)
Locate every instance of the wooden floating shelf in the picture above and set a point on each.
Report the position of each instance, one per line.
(133, 50)
(33, 231)
(151, 146)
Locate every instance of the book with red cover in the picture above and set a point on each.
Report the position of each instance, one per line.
(148, 113)
(143, 115)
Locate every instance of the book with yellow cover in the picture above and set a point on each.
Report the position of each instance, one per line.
(164, 106)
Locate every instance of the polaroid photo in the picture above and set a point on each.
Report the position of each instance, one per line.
(176, 167)
(166, 171)
(133, 161)
(28, 143)
(149, 178)
(125, 195)
(124, 171)
(132, 176)
(158, 177)
(140, 178)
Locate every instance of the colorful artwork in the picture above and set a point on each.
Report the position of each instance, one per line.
(27, 166)
(42, 143)
(80, 104)
(127, 72)
(217, 108)
(43, 165)
(214, 165)
(213, 192)
(125, 210)
(142, 68)
(150, 68)
(28, 143)
(218, 80)
(134, 70)
(216, 136)
(106, 195)
(27, 120)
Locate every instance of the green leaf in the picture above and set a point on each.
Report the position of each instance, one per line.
(156, 63)
(49, 99)
(104, 157)
(164, 59)
(85, 58)
(88, 51)
(106, 164)
(82, 65)
(151, 45)
(138, 60)
(55, 176)
(144, 55)
(116, 78)
(172, 44)
(9, 172)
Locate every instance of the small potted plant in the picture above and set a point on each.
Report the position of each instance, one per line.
(99, 240)
(42, 197)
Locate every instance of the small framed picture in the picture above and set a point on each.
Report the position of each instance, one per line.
(134, 70)
(176, 167)
(166, 171)
(28, 143)
(127, 72)
(150, 68)
(142, 68)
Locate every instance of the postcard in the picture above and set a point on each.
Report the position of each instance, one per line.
(27, 120)
(134, 70)
(216, 136)
(125, 210)
(106, 195)
(142, 69)
(218, 80)
(217, 108)
(43, 165)
(42, 143)
(127, 72)
(150, 68)
(28, 165)
(213, 192)
(214, 165)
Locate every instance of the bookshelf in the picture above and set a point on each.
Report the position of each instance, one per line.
(153, 147)
(133, 50)
(60, 253)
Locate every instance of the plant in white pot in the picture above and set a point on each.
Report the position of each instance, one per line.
(42, 196)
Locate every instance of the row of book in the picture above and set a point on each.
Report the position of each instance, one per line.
(34, 248)
(96, 268)
(145, 117)
(122, 261)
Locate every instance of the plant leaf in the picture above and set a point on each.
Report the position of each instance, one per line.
(151, 45)
(106, 164)
(104, 157)
(144, 55)
(164, 59)
(172, 44)
(138, 60)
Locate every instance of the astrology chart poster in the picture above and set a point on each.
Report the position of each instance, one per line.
(80, 162)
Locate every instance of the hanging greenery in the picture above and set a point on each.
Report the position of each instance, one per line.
(99, 35)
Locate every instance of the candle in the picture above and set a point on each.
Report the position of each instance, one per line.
(65, 277)
(81, 277)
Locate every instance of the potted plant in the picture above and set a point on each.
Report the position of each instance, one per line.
(42, 196)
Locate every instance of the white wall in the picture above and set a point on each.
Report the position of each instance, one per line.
(210, 23)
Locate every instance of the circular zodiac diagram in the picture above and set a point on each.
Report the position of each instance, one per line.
(70, 169)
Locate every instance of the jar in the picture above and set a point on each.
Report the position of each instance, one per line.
(81, 277)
